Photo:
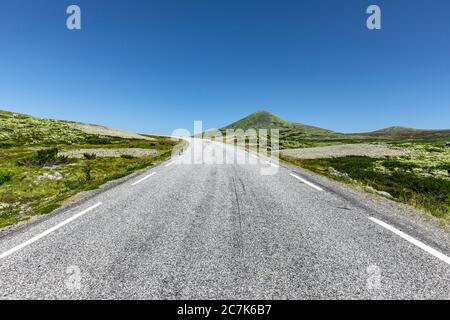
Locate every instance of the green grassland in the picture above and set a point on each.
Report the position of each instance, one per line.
(421, 178)
(35, 179)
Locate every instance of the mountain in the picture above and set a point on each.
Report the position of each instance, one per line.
(260, 119)
(292, 134)
(266, 120)
(407, 133)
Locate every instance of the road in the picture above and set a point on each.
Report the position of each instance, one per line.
(226, 231)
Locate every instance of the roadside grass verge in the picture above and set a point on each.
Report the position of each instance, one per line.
(35, 180)
(400, 179)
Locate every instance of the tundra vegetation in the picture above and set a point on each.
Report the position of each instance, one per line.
(406, 165)
(38, 173)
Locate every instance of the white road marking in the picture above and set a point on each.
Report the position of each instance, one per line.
(169, 164)
(415, 242)
(306, 182)
(43, 234)
(143, 179)
(271, 164)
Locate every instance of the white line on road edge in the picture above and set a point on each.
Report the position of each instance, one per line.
(144, 178)
(415, 242)
(43, 234)
(307, 182)
(170, 163)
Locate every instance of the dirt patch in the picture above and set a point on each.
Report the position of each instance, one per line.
(114, 153)
(361, 149)
(104, 131)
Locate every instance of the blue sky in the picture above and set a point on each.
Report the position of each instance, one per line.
(154, 66)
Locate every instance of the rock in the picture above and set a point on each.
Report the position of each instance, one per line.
(336, 173)
(4, 205)
(47, 176)
(381, 193)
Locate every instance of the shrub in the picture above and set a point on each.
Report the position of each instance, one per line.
(97, 140)
(5, 177)
(72, 185)
(127, 156)
(64, 190)
(89, 156)
(87, 172)
(44, 157)
(5, 145)
(41, 158)
(62, 159)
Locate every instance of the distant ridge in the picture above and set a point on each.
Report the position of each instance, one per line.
(407, 133)
(293, 131)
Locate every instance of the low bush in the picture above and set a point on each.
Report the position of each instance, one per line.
(44, 157)
(97, 140)
(87, 172)
(5, 177)
(4, 145)
(89, 156)
(62, 159)
(127, 156)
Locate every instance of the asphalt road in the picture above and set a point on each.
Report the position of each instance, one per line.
(226, 231)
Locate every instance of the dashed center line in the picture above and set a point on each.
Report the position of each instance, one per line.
(43, 234)
(307, 182)
(143, 179)
(415, 242)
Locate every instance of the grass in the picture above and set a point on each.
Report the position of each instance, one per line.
(29, 156)
(427, 188)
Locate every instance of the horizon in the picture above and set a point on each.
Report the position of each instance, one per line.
(162, 65)
(261, 110)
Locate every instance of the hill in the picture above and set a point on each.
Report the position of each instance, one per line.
(407, 133)
(266, 120)
(292, 134)
(21, 129)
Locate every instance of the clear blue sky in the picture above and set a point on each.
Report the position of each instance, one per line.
(156, 65)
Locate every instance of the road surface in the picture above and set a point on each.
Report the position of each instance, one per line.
(226, 231)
